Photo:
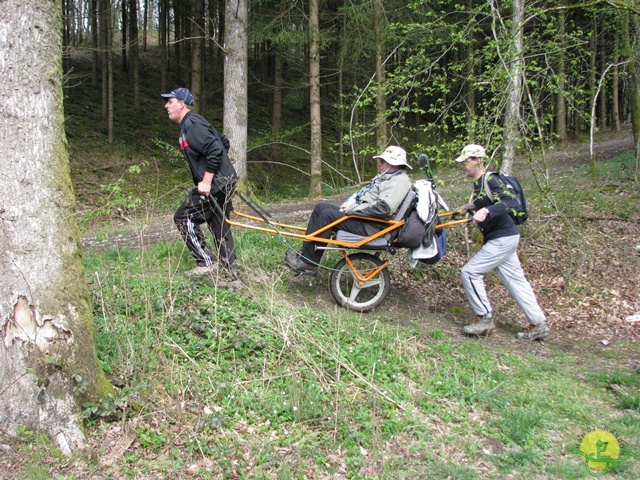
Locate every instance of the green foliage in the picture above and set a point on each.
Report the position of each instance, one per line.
(151, 438)
(610, 190)
(110, 409)
(170, 151)
(116, 198)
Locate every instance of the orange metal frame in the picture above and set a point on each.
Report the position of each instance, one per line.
(360, 276)
(298, 232)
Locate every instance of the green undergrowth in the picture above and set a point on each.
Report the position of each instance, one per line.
(249, 384)
(609, 189)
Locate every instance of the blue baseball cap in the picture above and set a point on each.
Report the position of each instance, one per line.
(181, 94)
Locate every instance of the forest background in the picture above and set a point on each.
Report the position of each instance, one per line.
(275, 381)
(328, 83)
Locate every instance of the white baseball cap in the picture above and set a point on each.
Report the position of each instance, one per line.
(475, 151)
(394, 156)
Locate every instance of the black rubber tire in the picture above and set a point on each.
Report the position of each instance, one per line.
(344, 286)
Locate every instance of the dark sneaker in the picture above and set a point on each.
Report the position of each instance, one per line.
(484, 326)
(297, 264)
(539, 332)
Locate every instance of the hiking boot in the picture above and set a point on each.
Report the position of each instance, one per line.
(294, 261)
(484, 326)
(539, 332)
(202, 271)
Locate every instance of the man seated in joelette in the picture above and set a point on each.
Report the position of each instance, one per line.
(381, 199)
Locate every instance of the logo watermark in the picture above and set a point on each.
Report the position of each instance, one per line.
(600, 450)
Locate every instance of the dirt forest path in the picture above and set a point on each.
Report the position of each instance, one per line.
(150, 231)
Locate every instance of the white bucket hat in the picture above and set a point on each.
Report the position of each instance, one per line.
(475, 151)
(394, 156)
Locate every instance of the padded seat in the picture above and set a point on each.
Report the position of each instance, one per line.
(386, 240)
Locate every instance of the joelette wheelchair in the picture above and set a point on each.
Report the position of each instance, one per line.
(360, 280)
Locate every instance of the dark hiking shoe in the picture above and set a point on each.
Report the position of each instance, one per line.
(539, 332)
(484, 326)
(297, 264)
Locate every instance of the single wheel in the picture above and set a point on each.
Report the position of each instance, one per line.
(363, 295)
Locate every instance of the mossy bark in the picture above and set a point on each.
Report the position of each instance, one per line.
(48, 362)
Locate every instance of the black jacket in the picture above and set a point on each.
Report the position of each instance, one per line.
(499, 223)
(205, 150)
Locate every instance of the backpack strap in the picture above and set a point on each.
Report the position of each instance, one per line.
(485, 185)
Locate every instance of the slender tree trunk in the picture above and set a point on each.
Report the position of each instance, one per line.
(278, 84)
(197, 35)
(315, 187)
(593, 55)
(470, 87)
(47, 339)
(236, 108)
(615, 88)
(145, 25)
(178, 35)
(109, 79)
(341, 88)
(602, 98)
(381, 99)
(95, 54)
(65, 23)
(163, 39)
(561, 105)
(631, 45)
(125, 44)
(134, 52)
(515, 73)
(222, 28)
(105, 52)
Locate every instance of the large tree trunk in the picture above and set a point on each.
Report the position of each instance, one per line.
(236, 108)
(315, 187)
(47, 340)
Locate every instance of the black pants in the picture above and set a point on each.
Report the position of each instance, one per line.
(197, 209)
(326, 213)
